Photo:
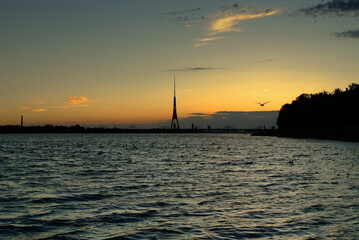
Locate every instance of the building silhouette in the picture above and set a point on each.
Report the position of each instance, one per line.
(174, 122)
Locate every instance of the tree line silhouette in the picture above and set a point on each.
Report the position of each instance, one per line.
(324, 114)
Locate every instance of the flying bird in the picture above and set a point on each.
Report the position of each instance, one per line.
(262, 104)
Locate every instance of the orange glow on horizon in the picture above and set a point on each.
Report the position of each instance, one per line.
(206, 92)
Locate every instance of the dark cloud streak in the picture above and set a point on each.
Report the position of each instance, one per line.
(183, 17)
(232, 118)
(264, 61)
(194, 69)
(334, 7)
(348, 34)
(234, 8)
(198, 114)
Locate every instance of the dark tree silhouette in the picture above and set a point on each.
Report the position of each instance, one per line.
(339, 110)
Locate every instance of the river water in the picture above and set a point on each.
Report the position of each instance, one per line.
(177, 186)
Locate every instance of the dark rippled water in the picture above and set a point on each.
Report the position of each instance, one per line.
(201, 186)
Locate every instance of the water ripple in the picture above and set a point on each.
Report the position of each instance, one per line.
(180, 186)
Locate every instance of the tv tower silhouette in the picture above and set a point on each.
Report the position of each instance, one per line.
(174, 122)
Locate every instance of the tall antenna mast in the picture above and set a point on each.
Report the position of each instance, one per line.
(174, 122)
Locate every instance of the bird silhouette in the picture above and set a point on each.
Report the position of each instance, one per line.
(262, 104)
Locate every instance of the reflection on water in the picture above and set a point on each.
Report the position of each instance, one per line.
(180, 186)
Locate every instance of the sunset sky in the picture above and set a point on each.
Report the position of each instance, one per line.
(113, 61)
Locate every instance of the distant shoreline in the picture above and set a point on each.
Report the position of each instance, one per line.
(78, 129)
(350, 134)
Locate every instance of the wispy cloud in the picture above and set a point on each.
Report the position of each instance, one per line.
(228, 23)
(334, 7)
(205, 41)
(200, 44)
(76, 100)
(223, 20)
(73, 102)
(39, 110)
(227, 20)
(194, 69)
(348, 34)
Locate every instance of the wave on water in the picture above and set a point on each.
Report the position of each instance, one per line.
(177, 186)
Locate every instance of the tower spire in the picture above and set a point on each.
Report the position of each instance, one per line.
(174, 122)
